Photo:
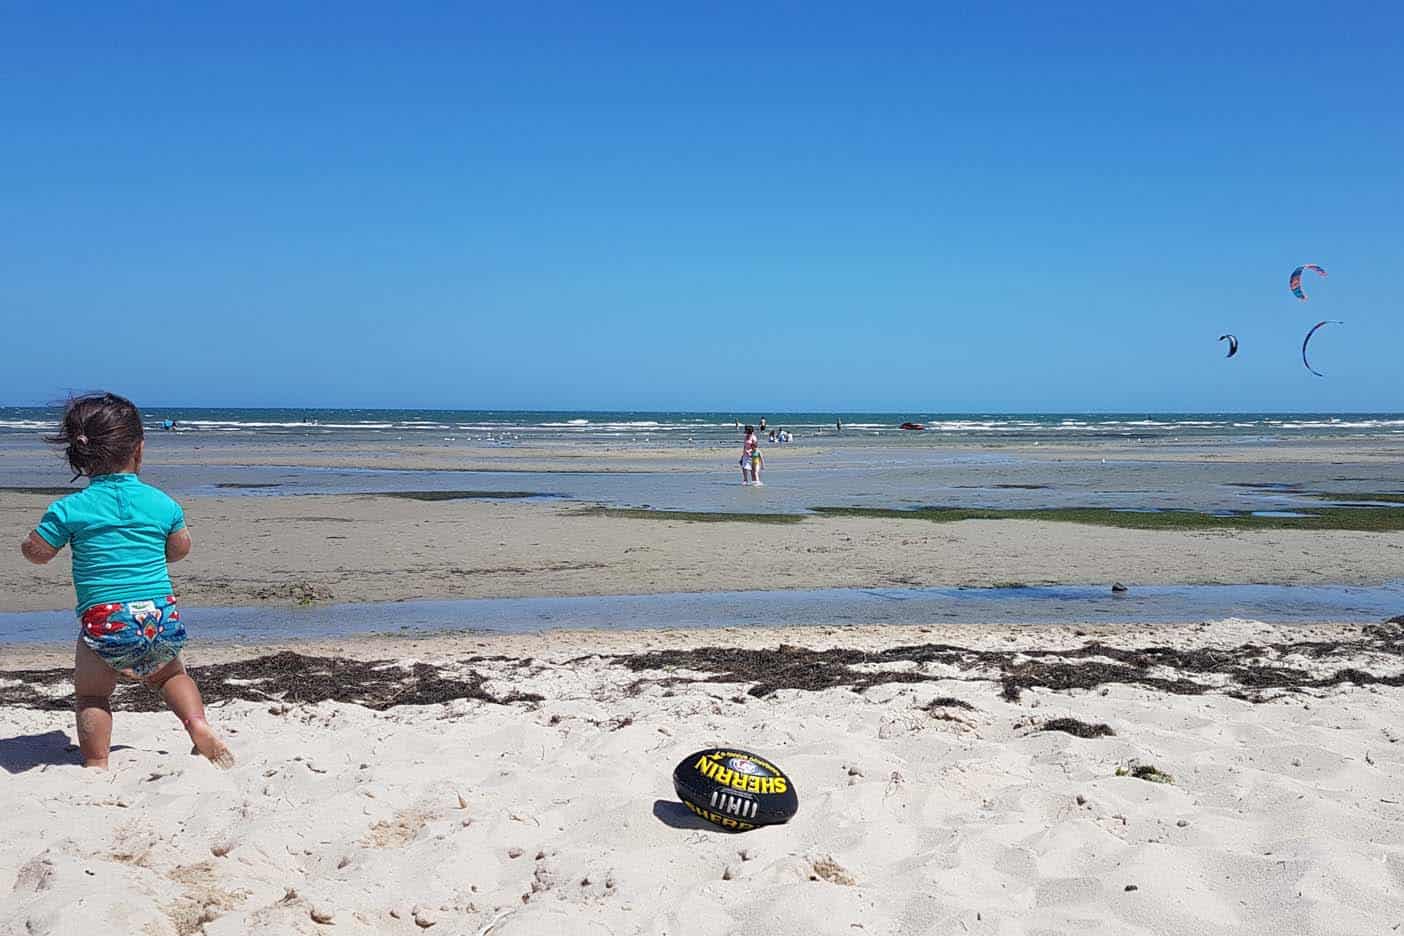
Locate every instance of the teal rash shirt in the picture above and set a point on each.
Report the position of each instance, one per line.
(117, 527)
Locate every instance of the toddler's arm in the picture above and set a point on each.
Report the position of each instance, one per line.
(178, 545)
(37, 549)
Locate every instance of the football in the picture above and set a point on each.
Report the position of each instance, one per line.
(735, 790)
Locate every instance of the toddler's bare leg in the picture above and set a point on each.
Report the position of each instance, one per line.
(183, 698)
(93, 682)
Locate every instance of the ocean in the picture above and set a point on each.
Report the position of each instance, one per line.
(508, 427)
(1154, 461)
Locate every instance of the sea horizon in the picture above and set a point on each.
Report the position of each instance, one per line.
(583, 425)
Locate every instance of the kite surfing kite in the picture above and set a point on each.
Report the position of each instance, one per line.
(1233, 344)
(1307, 340)
(1295, 281)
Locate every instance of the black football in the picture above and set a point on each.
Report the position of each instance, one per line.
(734, 789)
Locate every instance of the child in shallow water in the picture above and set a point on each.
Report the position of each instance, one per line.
(122, 533)
(748, 450)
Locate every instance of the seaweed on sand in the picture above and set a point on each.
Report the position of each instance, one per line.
(1078, 729)
(1244, 671)
(287, 677)
(1148, 772)
(945, 702)
(1253, 672)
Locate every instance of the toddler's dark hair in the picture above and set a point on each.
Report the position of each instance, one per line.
(100, 432)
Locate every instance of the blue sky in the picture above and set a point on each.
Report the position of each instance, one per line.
(649, 206)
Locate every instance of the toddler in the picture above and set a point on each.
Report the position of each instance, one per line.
(122, 533)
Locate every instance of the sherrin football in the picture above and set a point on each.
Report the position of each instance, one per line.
(736, 790)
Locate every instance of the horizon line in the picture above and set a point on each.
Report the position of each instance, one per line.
(734, 410)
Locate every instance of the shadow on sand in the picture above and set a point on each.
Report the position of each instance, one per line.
(25, 752)
(675, 815)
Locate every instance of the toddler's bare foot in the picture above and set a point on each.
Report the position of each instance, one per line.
(208, 744)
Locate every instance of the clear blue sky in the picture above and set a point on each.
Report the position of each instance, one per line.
(758, 206)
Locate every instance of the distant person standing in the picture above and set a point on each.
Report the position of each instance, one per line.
(838, 425)
(762, 424)
(748, 449)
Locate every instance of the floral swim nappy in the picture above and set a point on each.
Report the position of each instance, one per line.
(141, 636)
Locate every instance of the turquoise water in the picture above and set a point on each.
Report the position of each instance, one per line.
(1287, 604)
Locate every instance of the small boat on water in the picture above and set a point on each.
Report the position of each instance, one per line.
(912, 427)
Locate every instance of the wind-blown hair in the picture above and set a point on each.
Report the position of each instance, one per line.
(100, 433)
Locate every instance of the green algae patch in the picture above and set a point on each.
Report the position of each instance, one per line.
(689, 516)
(1147, 772)
(1354, 498)
(458, 495)
(1365, 519)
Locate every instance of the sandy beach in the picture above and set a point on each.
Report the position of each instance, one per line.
(1222, 777)
(938, 802)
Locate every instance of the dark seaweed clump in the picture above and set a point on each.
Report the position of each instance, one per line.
(287, 678)
(1147, 772)
(1079, 729)
(945, 702)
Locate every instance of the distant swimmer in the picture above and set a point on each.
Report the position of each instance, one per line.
(167, 425)
(838, 425)
(762, 424)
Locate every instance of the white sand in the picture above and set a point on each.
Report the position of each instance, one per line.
(1284, 818)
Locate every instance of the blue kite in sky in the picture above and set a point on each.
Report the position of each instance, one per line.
(1307, 340)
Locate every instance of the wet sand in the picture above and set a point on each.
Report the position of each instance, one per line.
(282, 550)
